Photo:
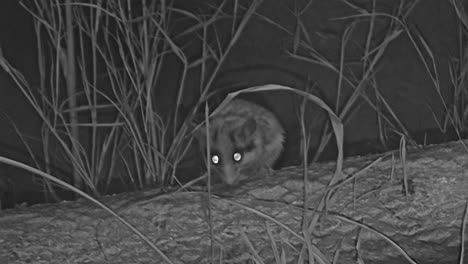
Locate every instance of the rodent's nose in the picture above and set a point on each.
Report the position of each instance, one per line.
(231, 181)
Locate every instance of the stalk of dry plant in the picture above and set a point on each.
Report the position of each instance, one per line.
(456, 114)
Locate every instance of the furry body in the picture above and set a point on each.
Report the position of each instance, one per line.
(245, 138)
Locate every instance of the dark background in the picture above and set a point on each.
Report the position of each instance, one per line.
(260, 58)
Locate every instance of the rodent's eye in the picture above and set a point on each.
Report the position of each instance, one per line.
(237, 156)
(215, 159)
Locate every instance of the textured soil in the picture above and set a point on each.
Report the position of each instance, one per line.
(264, 215)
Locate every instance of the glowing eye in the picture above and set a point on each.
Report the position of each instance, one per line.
(215, 159)
(237, 156)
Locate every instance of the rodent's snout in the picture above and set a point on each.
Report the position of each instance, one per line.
(230, 176)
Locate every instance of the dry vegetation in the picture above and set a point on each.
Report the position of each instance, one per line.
(110, 57)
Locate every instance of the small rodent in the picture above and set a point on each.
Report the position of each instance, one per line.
(245, 138)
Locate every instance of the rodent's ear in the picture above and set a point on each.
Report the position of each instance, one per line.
(249, 127)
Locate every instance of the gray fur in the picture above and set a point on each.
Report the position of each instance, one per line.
(249, 129)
